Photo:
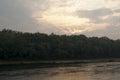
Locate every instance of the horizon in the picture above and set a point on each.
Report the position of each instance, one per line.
(60, 34)
(63, 17)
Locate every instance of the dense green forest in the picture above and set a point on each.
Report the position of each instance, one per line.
(16, 45)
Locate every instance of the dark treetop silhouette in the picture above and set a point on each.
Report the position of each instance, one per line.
(38, 46)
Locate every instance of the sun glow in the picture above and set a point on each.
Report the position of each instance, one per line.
(62, 15)
(73, 31)
(63, 20)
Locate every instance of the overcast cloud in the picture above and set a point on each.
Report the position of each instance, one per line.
(89, 17)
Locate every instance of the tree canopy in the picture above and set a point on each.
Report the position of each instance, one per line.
(16, 45)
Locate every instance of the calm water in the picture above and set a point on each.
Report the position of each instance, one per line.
(88, 71)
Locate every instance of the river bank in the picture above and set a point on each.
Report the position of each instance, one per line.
(11, 62)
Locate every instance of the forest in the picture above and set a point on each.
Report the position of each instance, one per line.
(15, 45)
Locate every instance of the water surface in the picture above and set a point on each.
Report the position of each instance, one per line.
(87, 71)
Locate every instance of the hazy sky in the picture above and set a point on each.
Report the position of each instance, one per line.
(89, 17)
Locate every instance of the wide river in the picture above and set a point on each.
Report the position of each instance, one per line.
(84, 71)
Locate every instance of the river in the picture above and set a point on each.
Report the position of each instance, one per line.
(83, 71)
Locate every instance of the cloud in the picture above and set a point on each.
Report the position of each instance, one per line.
(112, 32)
(94, 15)
(108, 18)
(14, 15)
(61, 16)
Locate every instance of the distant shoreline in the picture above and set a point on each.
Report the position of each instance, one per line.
(5, 62)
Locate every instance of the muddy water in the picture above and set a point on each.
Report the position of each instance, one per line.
(87, 71)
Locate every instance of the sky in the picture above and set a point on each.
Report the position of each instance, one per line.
(88, 17)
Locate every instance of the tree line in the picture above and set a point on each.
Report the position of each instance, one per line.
(16, 45)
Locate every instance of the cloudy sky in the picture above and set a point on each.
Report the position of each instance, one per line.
(89, 17)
